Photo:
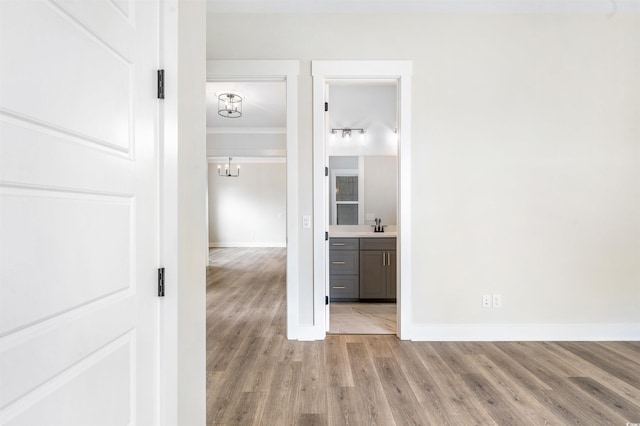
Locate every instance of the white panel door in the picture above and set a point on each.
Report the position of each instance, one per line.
(78, 212)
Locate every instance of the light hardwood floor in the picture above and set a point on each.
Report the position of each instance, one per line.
(257, 377)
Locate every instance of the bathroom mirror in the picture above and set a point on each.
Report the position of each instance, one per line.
(363, 188)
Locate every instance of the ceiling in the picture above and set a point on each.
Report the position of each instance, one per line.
(260, 132)
(424, 6)
(263, 106)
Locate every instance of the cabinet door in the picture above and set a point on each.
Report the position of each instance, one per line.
(391, 275)
(373, 275)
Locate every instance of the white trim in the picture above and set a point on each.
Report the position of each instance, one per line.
(310, 333)
(526, 332)
(216, 244)
(247, 160)
(362, 206)
(424, 6)
(183, 225)
(256, 70)
(235, 152)
(246, 130)
(323, 71)
(405, 321)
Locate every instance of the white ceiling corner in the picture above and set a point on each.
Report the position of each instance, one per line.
(424, 6)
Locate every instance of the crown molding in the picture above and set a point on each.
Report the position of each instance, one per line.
(246, 130)
(246, 160)
(609, 7)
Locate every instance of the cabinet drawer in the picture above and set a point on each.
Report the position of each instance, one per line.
(344, 262)
(344, 243)
(344, 287)
(378, 243)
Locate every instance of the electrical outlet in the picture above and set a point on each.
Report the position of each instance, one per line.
(497, 301)
(371, 216)
(306, 221)
(486, 301)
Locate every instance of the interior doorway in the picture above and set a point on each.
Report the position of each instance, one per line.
(285, 72)
(393, 256)
(361, 119)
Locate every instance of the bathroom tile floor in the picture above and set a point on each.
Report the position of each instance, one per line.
(362, 318)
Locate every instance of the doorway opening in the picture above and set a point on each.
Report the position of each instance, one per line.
(265, 142)
(352, 261)
(247, 164)
(361, 118)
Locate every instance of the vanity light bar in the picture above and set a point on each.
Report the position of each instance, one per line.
(346, 132)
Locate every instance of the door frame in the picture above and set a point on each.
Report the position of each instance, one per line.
(322, 72)
(287, 71)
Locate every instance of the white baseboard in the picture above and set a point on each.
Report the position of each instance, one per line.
(501, 332)
(306, 333)
(245, 244)
(525, 332)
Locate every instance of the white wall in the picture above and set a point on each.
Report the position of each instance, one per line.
(183, 236)
(381, 188)
(250, 210)
(526, 164)
(372, 107)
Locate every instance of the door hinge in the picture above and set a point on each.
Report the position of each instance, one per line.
(326, 171)
(326, 106)
(326, 300)
(160, 84)
(326, 236)
(160, 282)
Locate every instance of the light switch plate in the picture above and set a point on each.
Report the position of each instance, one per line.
(497, 301)
(371, 216)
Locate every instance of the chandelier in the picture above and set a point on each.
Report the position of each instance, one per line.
(227, 170)
(230, 105)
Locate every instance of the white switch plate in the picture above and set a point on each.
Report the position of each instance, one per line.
(497, 300)
(371, 216)
(306, 221)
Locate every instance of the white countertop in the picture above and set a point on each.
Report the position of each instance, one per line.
(370, 234)
(361, 231)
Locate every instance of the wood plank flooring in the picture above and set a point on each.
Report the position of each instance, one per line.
(256, 377)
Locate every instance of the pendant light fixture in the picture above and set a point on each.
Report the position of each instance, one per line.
(227, 170)
(230, 105)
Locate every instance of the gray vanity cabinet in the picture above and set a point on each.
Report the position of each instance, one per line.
(344, 269)
(362, 269)
(378, 268)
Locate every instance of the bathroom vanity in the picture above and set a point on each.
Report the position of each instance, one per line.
(362, 267)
